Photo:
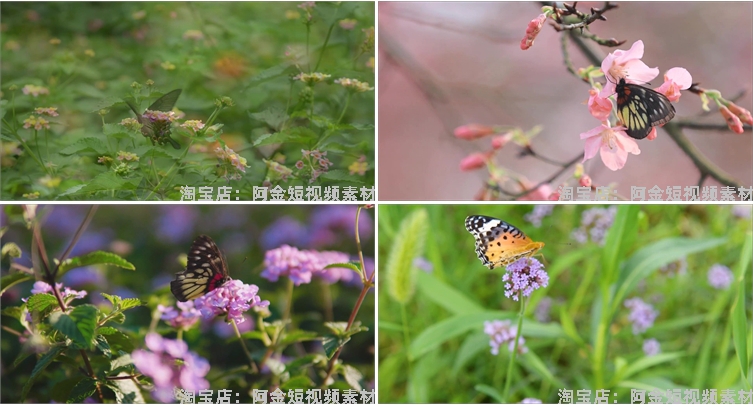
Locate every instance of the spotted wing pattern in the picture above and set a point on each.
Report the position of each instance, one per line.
(206, 270)
(498, 243)
(640, 109)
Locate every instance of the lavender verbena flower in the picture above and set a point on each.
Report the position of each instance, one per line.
(539, 212)
(40, 287)
(159, 364)
(301, 265)
(525, 275)
(676, 268)
(594, 224)
(541, 313)
(642, 315)
(742, 211)
(501, 333)
(530, 401)
(232, 298)
(335, 274)
(720, 277)
(422, 264)
(651, 347)
(182, 318)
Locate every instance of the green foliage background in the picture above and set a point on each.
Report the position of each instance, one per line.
(433, 349)
(242, 56)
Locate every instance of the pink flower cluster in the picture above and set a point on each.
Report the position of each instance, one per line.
(302, 265)
(232, 298)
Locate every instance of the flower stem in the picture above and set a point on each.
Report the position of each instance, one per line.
(345, 108)
(185, 152)
(508, 377)
(289, 304)
(243, 346)
(326, 40)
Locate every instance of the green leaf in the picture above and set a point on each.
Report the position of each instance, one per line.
(303, 361)
(130, 303)
(342, 176)
(106, 330)
(331, 343)
(118, 341)
(274, 117)
(103, 346)
(298, 336)
(338, 328)
(472, 346)
(645, 363)
(297, 382)
(12, 279)
(269, 74)
(97, 257)
(78, 326)
(106, 181)
(114, 299)
(40, 302)
(291, 135)
(42, 363)
(13, 312)
(352, 376)
(344, 266)
(84, 389)
(446, 296)
(88, 144)
(740, 324)
(407, 245)
(490, 391)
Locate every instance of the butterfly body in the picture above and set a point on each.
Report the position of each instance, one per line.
(499, 243)
(157, 130)
(640, 109)
(205, 271)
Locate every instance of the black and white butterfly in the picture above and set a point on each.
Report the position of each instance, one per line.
(206, 270)
(640, 109)
(157, 132)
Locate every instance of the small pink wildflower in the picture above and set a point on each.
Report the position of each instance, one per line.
(37, 122)
(585, 181)
(733, 121)
(473, 131)
(348, 23)
(35, 90)
(613, 143)
(195, 125)
(499, 141)
(51, 111)
(474, 161)
(299, 165)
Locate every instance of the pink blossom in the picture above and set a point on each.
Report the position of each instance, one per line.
(675, 79)
(613, 143)
(626, 65)
(742, 113)
(733, 121)
(533, 29)
(473, 131)
(585, 181)
(543, 192)
(598, 106)
(474, 161)
(499, 141)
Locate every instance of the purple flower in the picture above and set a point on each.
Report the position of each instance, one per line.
(651, 347)
(232, 298)
(530, 401)
(182, 318)
(84, 276)
(422, 264)
(742, 211)
(284, 230)
(594, 224)
(525, 275)
(676, 268)
(176, 222)
(502, 332)
(40, 287)
(159, 364)
(541, 313)
(539, 213)
(301, 265)
(720, 277)
(642, 315)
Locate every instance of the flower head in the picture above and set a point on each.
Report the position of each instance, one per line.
(50, 111)
(720, 277)
(474, 161)
(524, 276)
(532, 30)
(348, 23)
(675, 79)
(741, 113)
(195, 125)
(185, 316)
(733, 121)
(232, 299)
(311, 78)
(651, 347)
(127, 156)
(301, 265)
(353, 84)
(626, 65)
(232, 163)
(594, 224)
(37, 123)
(193, 35)
(501, 333)
(68, 294)
(539, 212)
(35, 90)
(473, 131)
(642, 315)
(613, 144)
(598, 106)
(159, 363)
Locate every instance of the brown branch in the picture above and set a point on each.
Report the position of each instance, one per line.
(586, 19)
(707, 125)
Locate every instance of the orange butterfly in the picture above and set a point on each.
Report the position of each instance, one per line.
(499, 243)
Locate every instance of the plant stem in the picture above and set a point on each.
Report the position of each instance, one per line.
(508, 377)
(326, 40)
(289, 306)
(185, 152)
(243, 346)
(345, 108)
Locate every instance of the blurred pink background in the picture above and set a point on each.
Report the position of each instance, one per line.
(467, 57)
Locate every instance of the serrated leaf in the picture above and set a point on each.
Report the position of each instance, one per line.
(114, 299)
(119, 342)
(42, 363)
(12, 279)
(88, 144)
(301, 362)
(254, 335)
(93, 258)
(84, 389)
(106, 330)
(103, 346)
(78, 326)
(290, 135)
(130, 303)
(338, 328)
(13, 312)
(40, 302)
(352, 376)
(331, 343)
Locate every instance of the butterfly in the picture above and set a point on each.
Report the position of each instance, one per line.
(499, 243)
(640, 109)
(157, 131)
(206, 270)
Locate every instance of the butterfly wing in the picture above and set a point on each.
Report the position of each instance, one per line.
(640, 109)
(205, 271)
(166, 102)
(498, 243)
